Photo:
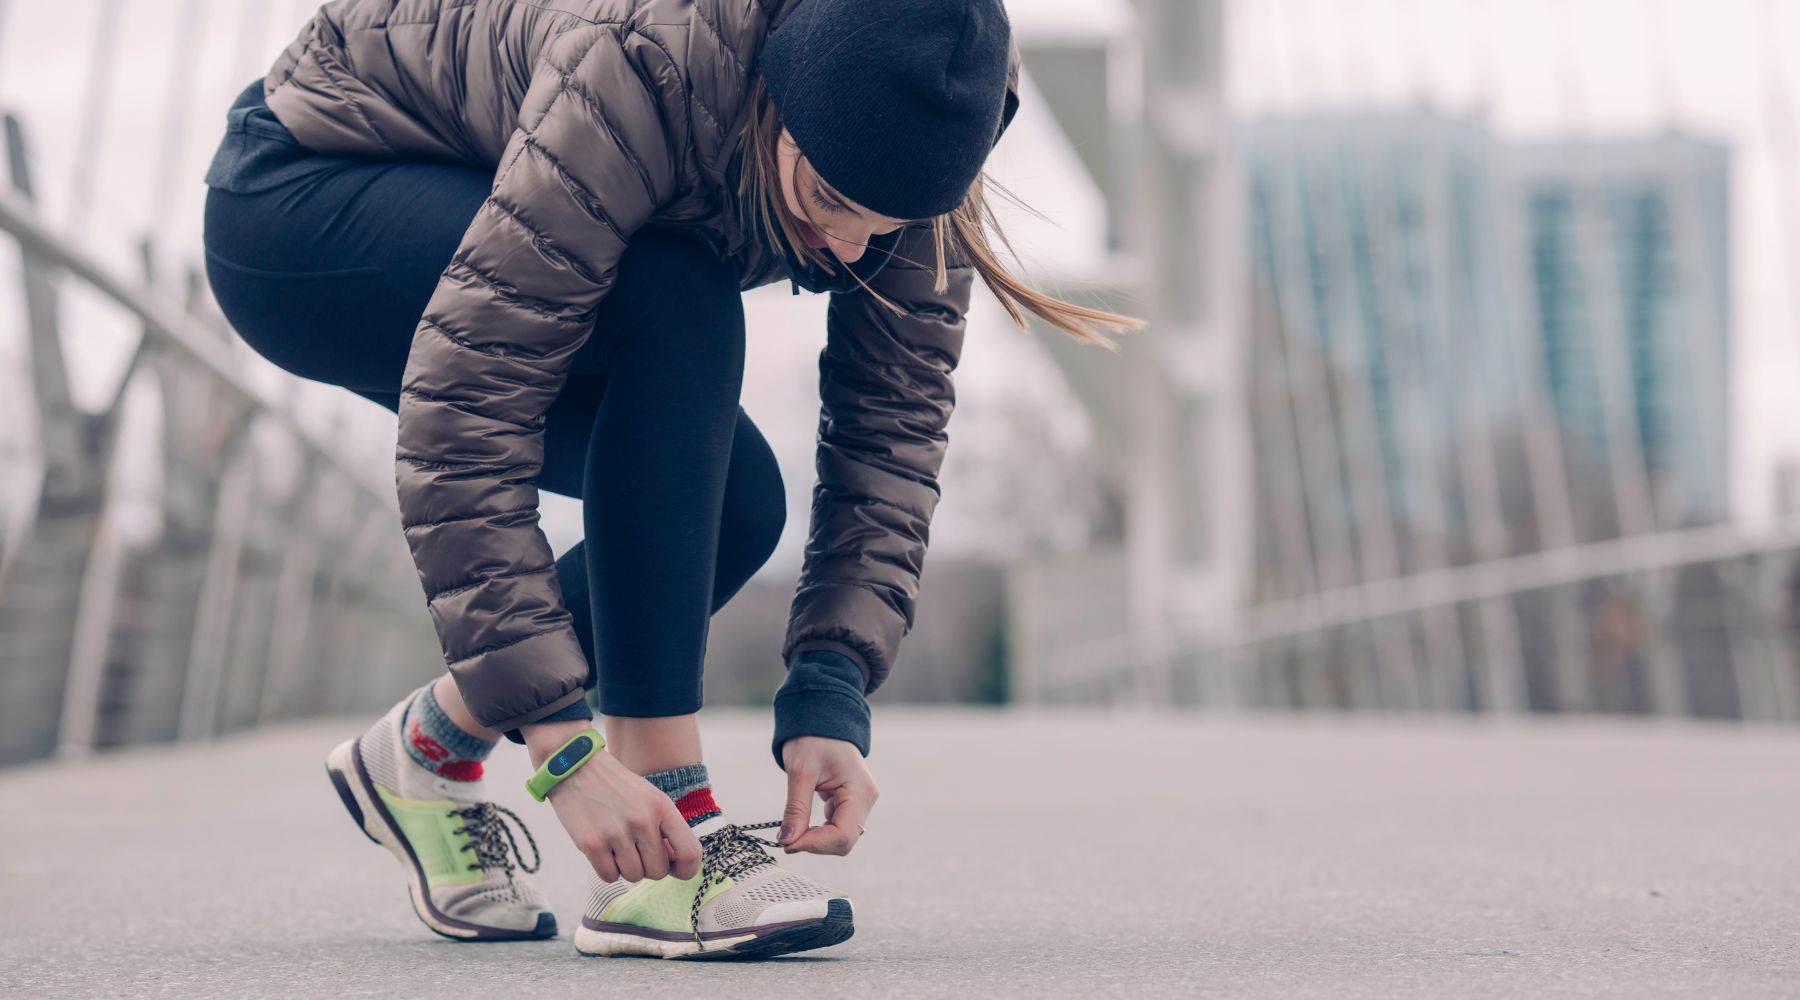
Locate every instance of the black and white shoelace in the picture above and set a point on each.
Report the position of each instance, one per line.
(491, 839)
(728, 852)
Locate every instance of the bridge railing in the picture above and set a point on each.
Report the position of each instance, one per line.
(192, 558)
(1701, 623)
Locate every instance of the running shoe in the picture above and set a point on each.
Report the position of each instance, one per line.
(741, 904)
(461, 858)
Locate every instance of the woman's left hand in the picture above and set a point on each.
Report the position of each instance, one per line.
(837, 773)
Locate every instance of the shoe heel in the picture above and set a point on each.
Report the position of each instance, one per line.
(336, 766)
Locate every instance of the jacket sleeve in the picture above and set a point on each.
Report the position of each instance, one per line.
(588, 164)
(886, 397)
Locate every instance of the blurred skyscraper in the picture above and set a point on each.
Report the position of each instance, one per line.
(1464, 350)
(1662, 213)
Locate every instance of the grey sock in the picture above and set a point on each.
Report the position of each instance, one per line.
(439, 745)
(691, 789)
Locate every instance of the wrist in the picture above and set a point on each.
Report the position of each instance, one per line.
(575, 711)
(543, 738)
(563, 761)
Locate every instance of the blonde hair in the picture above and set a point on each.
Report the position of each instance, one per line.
(964, 229)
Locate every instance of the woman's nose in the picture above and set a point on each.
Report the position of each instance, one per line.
(848, 249)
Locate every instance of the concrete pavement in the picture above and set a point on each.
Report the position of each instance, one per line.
(1012, 854)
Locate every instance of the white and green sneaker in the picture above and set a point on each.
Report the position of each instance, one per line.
(462, 861)
(742, 904)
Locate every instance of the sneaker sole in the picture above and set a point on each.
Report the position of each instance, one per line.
(348, 776)
(597, 939)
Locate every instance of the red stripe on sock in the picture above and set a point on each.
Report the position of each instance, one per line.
(432, 749)
(696, 804)
(461, 770)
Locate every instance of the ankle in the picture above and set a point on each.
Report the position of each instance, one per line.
(450, 701)
(434, 742)
(691, 789)
(652, 744)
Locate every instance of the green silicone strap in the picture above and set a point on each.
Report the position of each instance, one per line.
(559, 765)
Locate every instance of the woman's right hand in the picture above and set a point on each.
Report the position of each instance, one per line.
(626, 827)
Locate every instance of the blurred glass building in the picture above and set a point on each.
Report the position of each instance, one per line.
(1485, 392)
(1462, 353)
(1662, 210)
(1464, 350)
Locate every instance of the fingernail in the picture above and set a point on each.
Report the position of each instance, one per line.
(787, 833)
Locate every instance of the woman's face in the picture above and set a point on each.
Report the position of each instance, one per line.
(828, 220)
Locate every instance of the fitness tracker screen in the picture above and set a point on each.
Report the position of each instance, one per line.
(560, 764)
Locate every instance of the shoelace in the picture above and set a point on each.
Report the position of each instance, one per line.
(727, 853)
(492, 839)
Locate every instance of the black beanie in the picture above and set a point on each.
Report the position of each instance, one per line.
(896, 103)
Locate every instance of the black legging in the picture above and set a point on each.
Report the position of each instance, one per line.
(327, 276)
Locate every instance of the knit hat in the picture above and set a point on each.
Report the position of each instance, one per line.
(896, 103)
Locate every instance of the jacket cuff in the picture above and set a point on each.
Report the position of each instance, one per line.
(849, 617)
(575, 711)
(844, 650)
(510, 726)
(822, 696)
(518, 683)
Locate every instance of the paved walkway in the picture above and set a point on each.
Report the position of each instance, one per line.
(1011, 855)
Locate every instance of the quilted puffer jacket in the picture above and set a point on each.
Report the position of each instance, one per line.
(600, 117)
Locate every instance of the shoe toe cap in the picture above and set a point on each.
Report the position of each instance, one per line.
(798, 909)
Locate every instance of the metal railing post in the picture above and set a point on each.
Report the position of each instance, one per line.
(203, 677)
(42, 598)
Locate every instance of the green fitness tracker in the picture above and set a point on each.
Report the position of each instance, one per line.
(565, 760)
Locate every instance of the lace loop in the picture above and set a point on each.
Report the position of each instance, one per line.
(492, 840)
(728, 852)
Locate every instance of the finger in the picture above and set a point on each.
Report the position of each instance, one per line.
(851, 815)
(824, 839)
(654, 856)
(796, 819)
(631, 868)
(683, 847)
(601, 860)
(840, 833)
(678, 866)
